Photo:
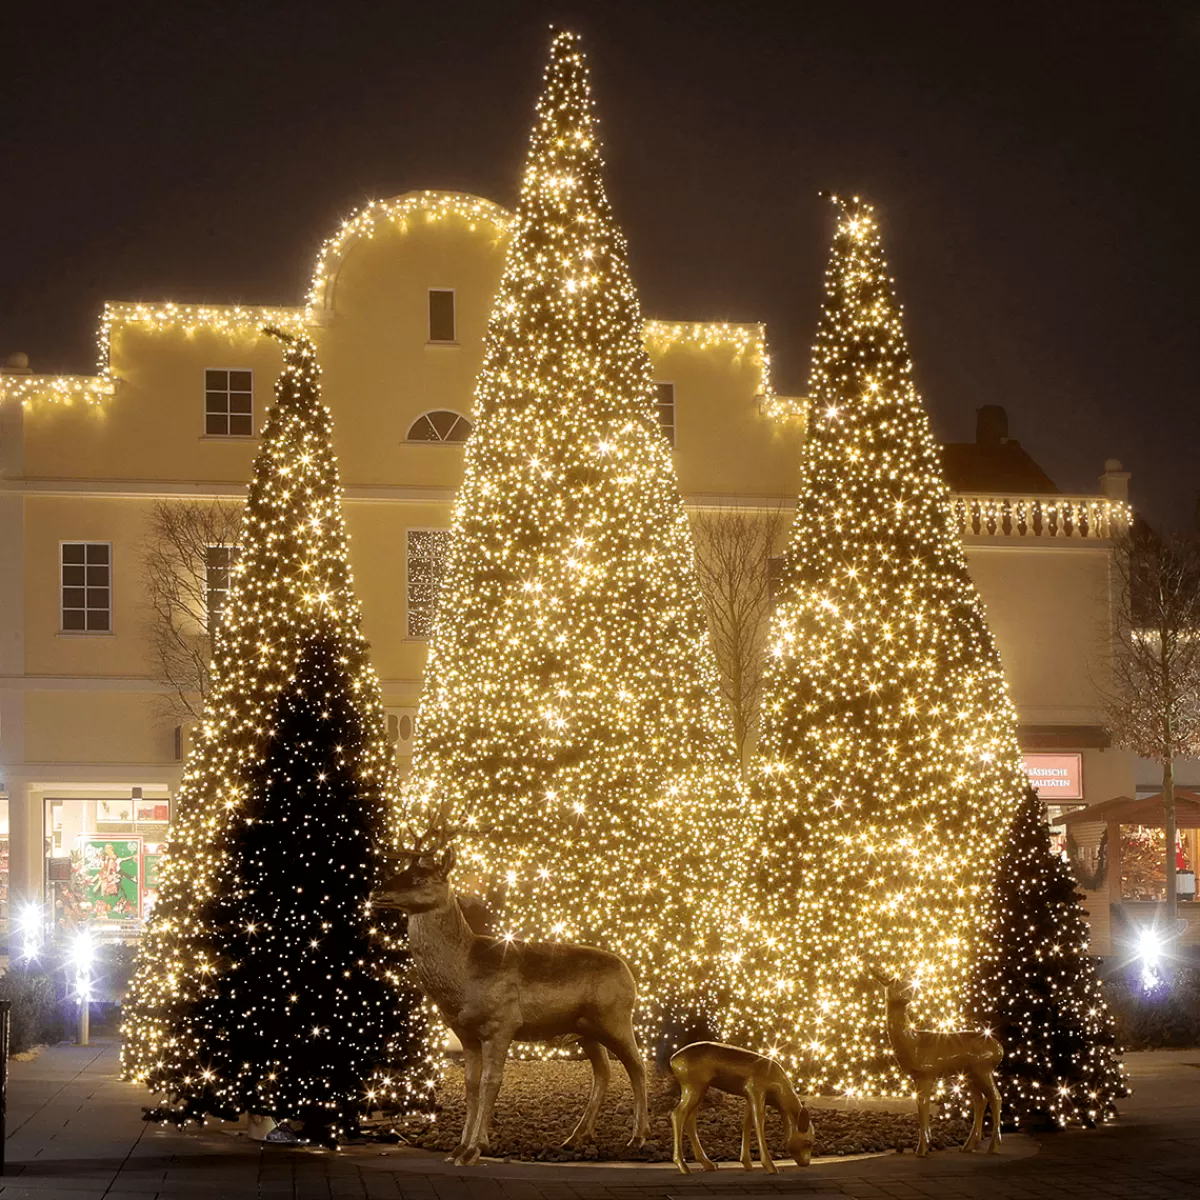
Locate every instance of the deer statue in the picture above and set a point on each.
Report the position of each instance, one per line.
(929, 1056)
(759, 1080)
(494, 991)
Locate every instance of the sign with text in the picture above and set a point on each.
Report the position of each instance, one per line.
(1055, 776)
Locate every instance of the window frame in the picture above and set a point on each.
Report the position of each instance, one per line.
(62, 607)
(228, 415)
(658, 410)
(430, 340)
(235, 552)
(408, 605)
(412, 441)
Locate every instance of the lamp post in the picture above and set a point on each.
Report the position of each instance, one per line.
(83, 954)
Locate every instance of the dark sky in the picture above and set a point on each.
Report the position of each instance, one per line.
(1035, 168)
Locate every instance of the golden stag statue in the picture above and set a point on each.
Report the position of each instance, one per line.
(759, 1080)
(929, 1056)
(494, 991)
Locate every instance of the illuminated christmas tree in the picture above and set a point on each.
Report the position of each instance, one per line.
(254, 989)
(1036, 987)
(888, 768)
(571, 715)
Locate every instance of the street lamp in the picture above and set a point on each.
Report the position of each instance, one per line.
(83, 955)
(31, 924)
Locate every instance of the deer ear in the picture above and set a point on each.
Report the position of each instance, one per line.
(448, 859)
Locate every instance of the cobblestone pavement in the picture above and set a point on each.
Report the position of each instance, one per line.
(75, 1132)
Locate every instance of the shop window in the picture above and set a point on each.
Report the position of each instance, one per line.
(102, 861)
(665, 403)
(86, 577)
(228, 403)
(440, 425)
(219, 562)
(427, 551)
(441, 315)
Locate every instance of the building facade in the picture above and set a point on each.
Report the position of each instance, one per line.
(92, 739)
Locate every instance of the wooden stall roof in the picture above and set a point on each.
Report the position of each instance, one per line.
(1122, 810)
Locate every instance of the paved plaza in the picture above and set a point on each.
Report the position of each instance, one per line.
(75, 1131)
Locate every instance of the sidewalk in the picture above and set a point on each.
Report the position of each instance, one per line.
(76, 1133)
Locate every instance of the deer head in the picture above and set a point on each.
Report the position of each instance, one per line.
(417, 882)
(899, 991)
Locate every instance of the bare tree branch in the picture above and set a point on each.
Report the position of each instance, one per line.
(174, 560)
(733, 551)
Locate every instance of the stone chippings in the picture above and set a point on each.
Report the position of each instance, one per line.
(540, 1102)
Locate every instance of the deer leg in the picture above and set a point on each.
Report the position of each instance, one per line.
(993, 1095)
(747, 1128)
(924, 1090)
(689, 1097)
(472, 1065)
(978, 1106)
(494, 1052)
(689, 1125)
(585, 1131)
(624, 1045)
(755, 1102)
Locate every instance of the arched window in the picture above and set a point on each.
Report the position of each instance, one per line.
(441, 425)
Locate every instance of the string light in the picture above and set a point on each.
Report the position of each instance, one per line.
(1037, 985)
(888, 767)
(261, 931)
(570, 722)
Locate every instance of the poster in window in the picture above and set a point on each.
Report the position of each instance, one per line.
(151, 866)
(110, 871)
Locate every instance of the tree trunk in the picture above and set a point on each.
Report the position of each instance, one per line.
(1169, 811)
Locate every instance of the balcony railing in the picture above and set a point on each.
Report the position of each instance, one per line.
(1091, 518)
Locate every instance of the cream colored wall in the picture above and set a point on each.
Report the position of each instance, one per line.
(96, 727)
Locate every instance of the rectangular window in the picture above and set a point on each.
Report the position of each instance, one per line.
(775, 565)
(228, 403)
(219, 562)
(441, 315)
(427, 551)
(665, 400)
(86, 587)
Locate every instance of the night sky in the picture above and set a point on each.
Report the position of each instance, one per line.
(1035, 168)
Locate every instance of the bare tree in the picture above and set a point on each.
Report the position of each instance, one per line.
(1153, 699)
(733, 555)
(181, 614)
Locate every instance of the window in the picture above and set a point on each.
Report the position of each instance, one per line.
(218, 571)
(441, 315)
(427, 549)
(229, 403)
(665, 397)
(86, 587)
(775, 571)
(441, 425)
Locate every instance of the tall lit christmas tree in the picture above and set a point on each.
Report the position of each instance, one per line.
(254, 988)
(1037, 987)
(571, 715)
(888, 768)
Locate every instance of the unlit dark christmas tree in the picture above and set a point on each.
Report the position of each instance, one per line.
(254, 988)
(571, 712)
(888, 767)
(1036, 987)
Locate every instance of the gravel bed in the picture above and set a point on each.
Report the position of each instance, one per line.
(540, 1102)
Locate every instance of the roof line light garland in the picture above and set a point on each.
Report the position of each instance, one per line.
(571, 712)
(888, 768)
(256, 986)
(1037, 987)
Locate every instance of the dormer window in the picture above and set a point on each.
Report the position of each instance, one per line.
(440, 425)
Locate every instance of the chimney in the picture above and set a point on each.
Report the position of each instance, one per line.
(991, 425)
(1114, 483)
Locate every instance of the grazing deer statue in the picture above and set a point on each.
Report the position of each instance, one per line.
(760, 1080)
(929, 1056)
(494, 991)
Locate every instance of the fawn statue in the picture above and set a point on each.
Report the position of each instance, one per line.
(929, 1056)
(759, 1080)
(494, 991)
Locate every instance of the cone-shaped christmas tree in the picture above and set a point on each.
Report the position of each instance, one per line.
(888, 767)
(254, 989)
(571, 715)
(1036, 987)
